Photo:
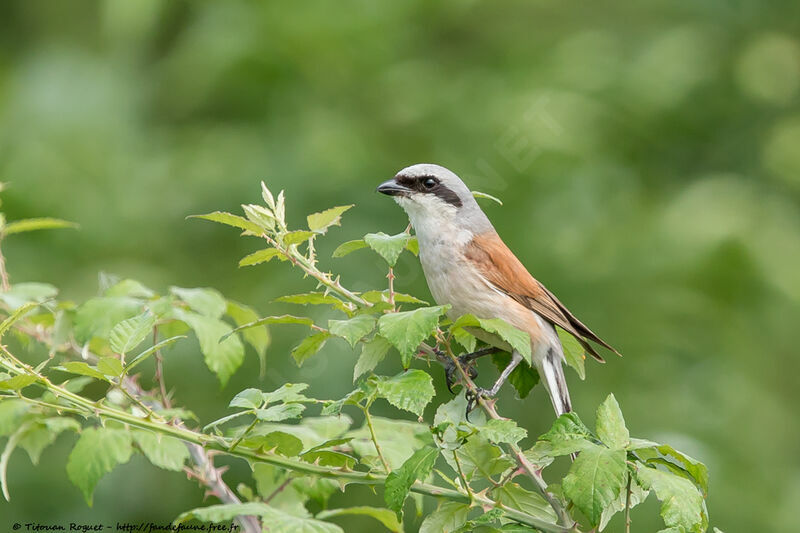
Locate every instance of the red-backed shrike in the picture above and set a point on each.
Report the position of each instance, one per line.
(469, 267)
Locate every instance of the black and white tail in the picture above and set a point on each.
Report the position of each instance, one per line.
(551, 372)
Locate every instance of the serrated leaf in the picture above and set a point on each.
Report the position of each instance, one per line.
(261, 256)
(309, 346)
(413, 245)
(447, 518)
(97, 316)
(34, 224)
(288, 392)
(12, 413)
(283, 411)
(387, 246)
(383, 296)
(595, 480)
(278, 521)
(411, 390)
(110, 366)
(297, 237)
(223, 357)
(503, 431)
(163, 451)
(258, 338)
(611, 425)
(17, 382)
(518, 339)
(408, 329)
(696, 469)
(22, 293)
(207, 302)
(95, 454)
(262, 217)
(150, 351)
(485, 196)
(230, 220)
(43, 433)
(372, 353)
(130, 333)
(574, 353)
(352, 329)
(248, 399)
(320, 222)
(523, 378)
(567, 435)
(682, 504)
(15, 316)
(399, 481)
(481, 458)
(348, 247)
(79, 367)
(313, 298)
(514, 496)
(278, 441)
(384, 516)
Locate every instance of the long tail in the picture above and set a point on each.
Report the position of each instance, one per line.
(551, 372)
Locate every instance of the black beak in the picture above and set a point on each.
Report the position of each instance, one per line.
(392, 188)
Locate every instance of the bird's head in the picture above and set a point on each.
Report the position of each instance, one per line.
(432, 194)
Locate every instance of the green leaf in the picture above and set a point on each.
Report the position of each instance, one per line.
(22, 293)
(279, 412)
(411, 390)
(523, 378)
(481, 458)
(131, 332)
(230, 220)
(485, 196)
(518, 339)
(130, 288)
(413, 245)
(283, 319)
(207, 302)
(110, 366)
(97, 316)
(384, 516)
(329, 458)
(263, 218)
(278, 521)
(258, 338)
(372, 353)
(567, 435)
(288, 392)
(682, 506)
(248, 399)
(353, 329)
(309, 346)
(503, 431)
(261, 256)
(95, 454)
(611, 425)
(297, 237)
(313, 298)
(223, 357)
(320, 222)
(387, 246)
(11, 445)
(383, 296)
(15, 316)
(408, 329)
(163, 451)
(17, 382)
(399, 481)
(595, 480)
(697, 470)
(12, 413)
(43, 433)
(447, 518)
(514, 496)
(348, 247)
(150, 351)
(573, 352)
(276, 441)
(638, 495)
(79, 367)
(34, 224)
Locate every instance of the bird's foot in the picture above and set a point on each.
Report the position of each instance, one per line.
(453, 375)
(474, 396)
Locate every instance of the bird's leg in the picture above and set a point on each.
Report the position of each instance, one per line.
(465, 361)
(472, 397)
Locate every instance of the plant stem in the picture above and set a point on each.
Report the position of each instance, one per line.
(241, 437)
(628, 505)
(390, 276)
(374, 438)
(159, 377)
(461, 475)
(4, 283)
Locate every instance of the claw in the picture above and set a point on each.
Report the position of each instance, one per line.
(451, 374)
(472, 400)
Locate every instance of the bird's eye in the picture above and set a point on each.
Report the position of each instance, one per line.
(430, 183)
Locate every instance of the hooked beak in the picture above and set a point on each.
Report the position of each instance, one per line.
(392, 188)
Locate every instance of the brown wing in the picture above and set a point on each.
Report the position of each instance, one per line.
(503, 270)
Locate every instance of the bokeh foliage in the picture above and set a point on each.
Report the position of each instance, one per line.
(647, 156)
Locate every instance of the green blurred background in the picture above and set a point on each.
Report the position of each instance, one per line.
(648, 156)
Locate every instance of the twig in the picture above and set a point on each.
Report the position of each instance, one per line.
(390, 276)
(3, 272)
(159, 377)
(461, 475)
(628, 504)
(241, 437)
(374, 438)
(279, 489)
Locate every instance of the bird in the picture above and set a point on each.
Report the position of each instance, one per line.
(469, 268)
